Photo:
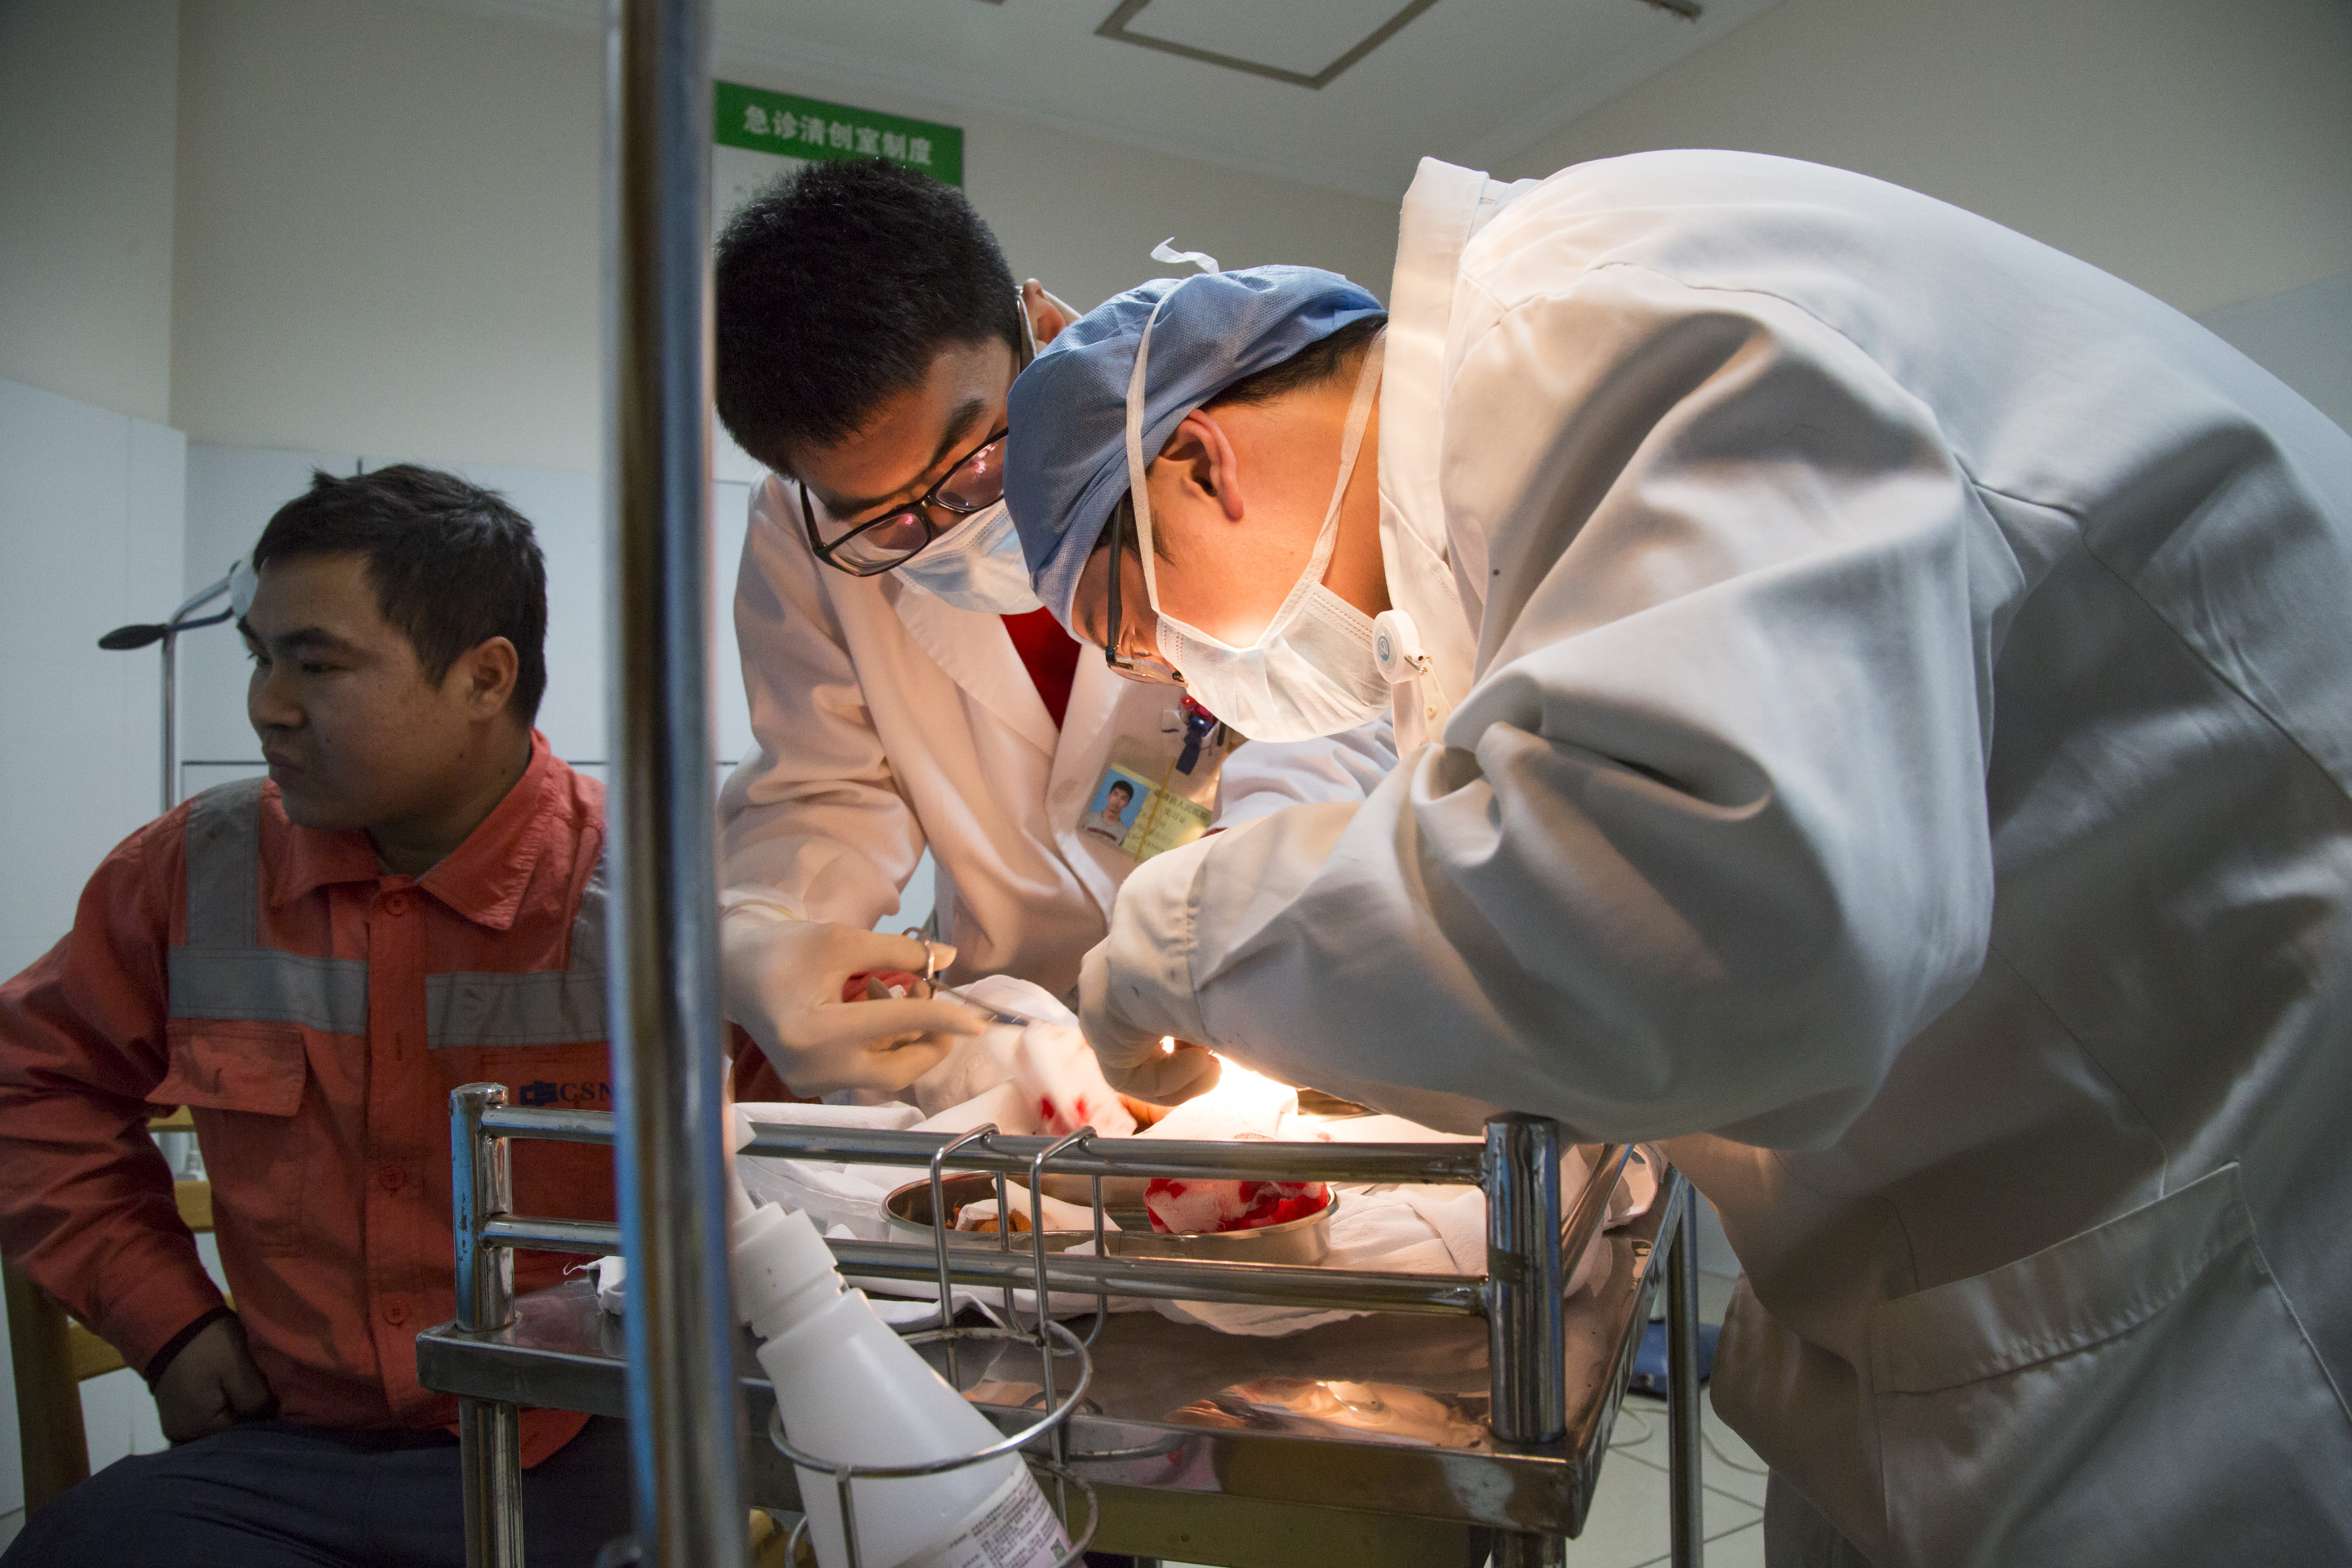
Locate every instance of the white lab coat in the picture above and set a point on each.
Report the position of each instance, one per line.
(887, 719)
(1905, 755)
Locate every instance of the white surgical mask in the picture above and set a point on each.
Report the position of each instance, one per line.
(1312, 670)
(977, 565)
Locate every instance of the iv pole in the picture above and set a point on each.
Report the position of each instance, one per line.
(167, 632)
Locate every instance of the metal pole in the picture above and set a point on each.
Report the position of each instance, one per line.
(687, 1413)
(1524, 1278)
(490, 1462)
(171, 719)
(481, 1189)
(1248, 1161)
(1519, 1549)
(490, 1434)
(1526, 1351)
(1686, 1540)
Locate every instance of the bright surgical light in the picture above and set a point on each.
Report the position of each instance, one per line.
(1253, 1094)
(1167, 1044)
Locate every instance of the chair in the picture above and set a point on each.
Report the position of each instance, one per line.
(54, 1355)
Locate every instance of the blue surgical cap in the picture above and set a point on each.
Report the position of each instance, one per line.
(1065, 464)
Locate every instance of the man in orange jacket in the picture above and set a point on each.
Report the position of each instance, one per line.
(412, 901)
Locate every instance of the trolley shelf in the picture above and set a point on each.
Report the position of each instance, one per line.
(1173, 1411)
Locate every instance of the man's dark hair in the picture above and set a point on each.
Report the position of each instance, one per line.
(453, 565)
(1117, 784)
(1320, 362)
(836, 288)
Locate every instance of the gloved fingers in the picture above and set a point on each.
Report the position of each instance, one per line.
(1166, 1078)
(880, 1066)
(888, 1068)
(838, 1024)
(851, 950)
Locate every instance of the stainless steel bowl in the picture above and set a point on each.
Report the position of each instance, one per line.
(907, 1210)
(1307, 1240)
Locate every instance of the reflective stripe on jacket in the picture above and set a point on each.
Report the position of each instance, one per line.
(314, 1013)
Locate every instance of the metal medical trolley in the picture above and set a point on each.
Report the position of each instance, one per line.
(1467, 1415)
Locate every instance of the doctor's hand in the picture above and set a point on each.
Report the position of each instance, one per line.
(1133, 1057)
(781, 978)
(210, 1384)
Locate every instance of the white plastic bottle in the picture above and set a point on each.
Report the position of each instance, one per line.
(850, 1388)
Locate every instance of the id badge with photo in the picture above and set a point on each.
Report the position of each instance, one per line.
(1156, 796)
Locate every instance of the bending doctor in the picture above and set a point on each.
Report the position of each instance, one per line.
(907, 689)
(1888, 706)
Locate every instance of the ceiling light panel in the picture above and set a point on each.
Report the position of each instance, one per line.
(1302, 36)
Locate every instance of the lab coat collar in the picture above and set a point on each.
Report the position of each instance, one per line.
(977, 654)
(1433, 575)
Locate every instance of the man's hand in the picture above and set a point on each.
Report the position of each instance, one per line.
(782, 980)
(1136, 1057)
(212, 1384)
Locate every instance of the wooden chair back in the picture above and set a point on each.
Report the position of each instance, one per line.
(52, 1355)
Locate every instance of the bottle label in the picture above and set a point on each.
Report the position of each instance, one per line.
(1016, 1530)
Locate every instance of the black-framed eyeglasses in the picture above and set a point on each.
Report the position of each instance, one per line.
(1150, 669)
(975, 483)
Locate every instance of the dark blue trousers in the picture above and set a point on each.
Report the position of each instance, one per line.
(272, 1495)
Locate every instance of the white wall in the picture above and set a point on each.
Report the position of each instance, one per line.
(1083, 215)
(387, 226)
(90, 538)
(88, 96)
(2198, 149)
(387, 232)
(233, 491)
(2303, 337)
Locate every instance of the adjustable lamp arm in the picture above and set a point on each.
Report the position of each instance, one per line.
(236, 587)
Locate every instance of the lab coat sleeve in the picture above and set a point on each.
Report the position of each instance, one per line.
(812, 821)
(1261, 776)
(86, 1203)
(1707, 843)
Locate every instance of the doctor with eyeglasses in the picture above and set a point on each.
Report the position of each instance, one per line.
(908, 689)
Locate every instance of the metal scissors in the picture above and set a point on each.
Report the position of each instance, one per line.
(931, 980)
(993, 1015)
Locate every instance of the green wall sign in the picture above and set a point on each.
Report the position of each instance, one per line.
(758, 120)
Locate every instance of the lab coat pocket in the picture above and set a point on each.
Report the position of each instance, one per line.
(2140, 1393)
(245, 1083)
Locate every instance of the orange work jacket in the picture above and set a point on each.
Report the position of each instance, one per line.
(314, 1013)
